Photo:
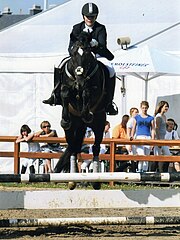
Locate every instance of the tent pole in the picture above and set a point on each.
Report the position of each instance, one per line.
(146, 87)
(146, 90)
(123, 94)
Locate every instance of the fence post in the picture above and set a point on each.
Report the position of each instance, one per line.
(112, 155)
(112, 158)
(16, 158)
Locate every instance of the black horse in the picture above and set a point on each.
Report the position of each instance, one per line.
(83, 95)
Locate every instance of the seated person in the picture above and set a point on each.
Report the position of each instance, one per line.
(172, 134)
(26, 136)
(46, 131)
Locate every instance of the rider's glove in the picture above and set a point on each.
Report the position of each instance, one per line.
(94, 43)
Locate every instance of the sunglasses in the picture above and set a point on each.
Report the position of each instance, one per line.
(47, 126)
(90, 17)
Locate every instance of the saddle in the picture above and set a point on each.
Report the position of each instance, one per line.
(59, 70)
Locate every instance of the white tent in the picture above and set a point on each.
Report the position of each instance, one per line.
(145, 63)
(30, 49)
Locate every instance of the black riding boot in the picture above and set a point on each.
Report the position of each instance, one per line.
(32, 169)
(23, 169)
(111, 108)
(55, 98)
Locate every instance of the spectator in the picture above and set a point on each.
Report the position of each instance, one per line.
(83, 164)
(171, 134)
(160, 132)
(133, 112)
(171, 130)
(131, 148)
(120, 131)
(46, 131)
(103, 147)
(143, 128)
(26, 136)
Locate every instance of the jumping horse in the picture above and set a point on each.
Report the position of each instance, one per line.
(83, 96)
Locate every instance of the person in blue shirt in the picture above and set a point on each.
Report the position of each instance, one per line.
(143, 128)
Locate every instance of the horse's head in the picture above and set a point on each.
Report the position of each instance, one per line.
(84, 39)
(82, 58)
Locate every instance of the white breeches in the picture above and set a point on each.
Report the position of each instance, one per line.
(108, 65)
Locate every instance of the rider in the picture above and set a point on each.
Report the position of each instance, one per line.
(99, 47)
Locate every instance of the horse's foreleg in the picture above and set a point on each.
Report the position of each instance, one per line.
(98, 129)
(96, 150)
(87, 116)
(65, 122)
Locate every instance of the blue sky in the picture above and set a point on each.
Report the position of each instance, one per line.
(25, 5)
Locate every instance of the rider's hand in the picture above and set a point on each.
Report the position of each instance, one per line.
(94, 43)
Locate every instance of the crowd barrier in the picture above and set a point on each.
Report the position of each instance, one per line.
(16, 154)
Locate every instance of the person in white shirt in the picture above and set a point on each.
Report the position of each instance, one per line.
(171, 130)
(133, 112)
(103, 149)
(131, 148)
(172, 134)
(26, 136)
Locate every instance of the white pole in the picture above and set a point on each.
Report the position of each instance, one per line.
(45, 5)
(138, 220)
(146, 86)
(91, 177)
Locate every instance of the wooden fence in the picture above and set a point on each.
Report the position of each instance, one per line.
(112, 156)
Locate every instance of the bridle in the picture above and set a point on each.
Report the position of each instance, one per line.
(79, 71)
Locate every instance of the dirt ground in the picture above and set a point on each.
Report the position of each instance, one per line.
(106, 232)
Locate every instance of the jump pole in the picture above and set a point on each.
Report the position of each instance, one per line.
(55, 222)
(91, 177)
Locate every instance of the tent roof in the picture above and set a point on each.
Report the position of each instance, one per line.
(48, 32)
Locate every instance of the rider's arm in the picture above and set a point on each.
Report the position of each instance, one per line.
(100, 35)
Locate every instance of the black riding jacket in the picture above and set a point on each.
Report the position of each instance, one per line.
(98, 33)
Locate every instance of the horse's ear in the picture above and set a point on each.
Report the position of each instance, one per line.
(73, 37)
(73, 48)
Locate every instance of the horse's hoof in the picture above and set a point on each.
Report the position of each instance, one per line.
(71, 185)
(96, 185)
(89, 118)
(65, 125)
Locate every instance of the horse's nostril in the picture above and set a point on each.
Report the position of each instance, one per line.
(77, 97)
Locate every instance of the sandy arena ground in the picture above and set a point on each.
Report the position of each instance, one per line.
(106, 232)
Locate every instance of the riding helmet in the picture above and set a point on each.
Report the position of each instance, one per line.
(90, 9)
